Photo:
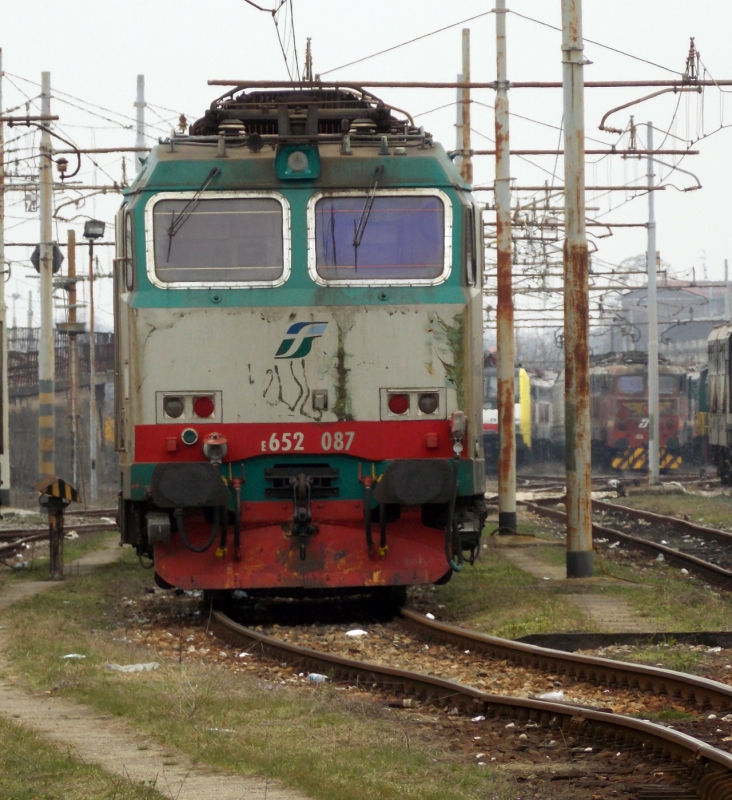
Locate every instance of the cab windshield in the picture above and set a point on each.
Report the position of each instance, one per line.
(397, 237)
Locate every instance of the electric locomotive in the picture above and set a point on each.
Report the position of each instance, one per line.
(619, 411)
(521, 412)
(299, 350)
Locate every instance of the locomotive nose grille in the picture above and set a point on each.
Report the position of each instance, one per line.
(323, 480)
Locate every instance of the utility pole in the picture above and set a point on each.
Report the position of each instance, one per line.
(4, 424)
(726, 289)
(140, 106)
(73, 360)
(505, 359)
(653, 421)
(576, 302)
(459, 124)
(46, 349)
(466, 165)
(92, 384)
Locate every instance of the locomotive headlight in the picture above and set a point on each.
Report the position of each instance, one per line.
(173, 407)
(215, 448)
(428, 403)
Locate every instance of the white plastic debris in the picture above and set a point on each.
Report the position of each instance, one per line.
(239, 594)
(552, 696)
(480, 755)
(221, 730)
(714, 649)
(151, 665)
(684, 571)
(71, 535)
(712, 716)
(546, 578)
(356, 633)
(613, 545)
(588, 749)
(660, 557)
(523, 737)
(429, 616)
(479, 718)
(317, 677)
(74, 655)
(244, 655)
(510, 725)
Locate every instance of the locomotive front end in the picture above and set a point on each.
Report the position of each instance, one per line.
(299, 343)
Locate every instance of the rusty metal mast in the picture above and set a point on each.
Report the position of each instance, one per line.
(46, 350)
(4, 431)
(576, 302)
(466, 164)
(504, 306)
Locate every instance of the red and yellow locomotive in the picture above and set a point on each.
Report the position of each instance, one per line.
(620, 420)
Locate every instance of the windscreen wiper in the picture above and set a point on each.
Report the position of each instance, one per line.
(360, 229)
(176, 223)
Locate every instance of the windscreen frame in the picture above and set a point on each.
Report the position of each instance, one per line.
(240, 195)
(363, 193)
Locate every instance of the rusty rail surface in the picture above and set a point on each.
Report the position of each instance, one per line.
(720, 576)
(704, 692)
(725, 537)
(709, 769)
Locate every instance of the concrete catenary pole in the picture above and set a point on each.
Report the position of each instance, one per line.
(466, 165)
(73, 360)
(140, 106)
(653, 420)
(4, 425)
(46, 350)
(92, 384)
(576, 301)
(504, 301)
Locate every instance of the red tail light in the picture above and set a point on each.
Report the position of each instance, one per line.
(203, 406)
(398, 403)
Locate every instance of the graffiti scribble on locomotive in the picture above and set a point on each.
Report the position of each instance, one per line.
(521, 412)
(619, 411)
(299, 360)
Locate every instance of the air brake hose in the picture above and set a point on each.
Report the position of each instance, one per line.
(453, 545)
(179, 515)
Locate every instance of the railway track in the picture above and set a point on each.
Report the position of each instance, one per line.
(706, 768)
(699, 691)
(12, 540)
(706, 552)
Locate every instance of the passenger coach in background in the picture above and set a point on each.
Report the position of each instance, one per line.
(299, 350)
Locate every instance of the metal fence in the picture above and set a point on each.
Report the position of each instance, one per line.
(23, 356)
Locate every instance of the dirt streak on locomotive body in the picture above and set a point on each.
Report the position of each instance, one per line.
(299, 349)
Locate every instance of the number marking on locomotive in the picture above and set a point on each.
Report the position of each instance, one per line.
(339, 441)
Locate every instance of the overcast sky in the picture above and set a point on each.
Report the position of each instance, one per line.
(95, 50)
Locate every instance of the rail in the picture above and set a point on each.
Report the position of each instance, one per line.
(708, 768)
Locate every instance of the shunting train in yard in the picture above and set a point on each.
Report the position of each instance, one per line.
(299, 350)
(619, 412)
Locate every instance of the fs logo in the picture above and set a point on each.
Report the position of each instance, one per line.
(299, 338)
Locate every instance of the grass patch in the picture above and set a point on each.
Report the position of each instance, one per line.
(498, 598)
(318, 739)
(31, 769)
